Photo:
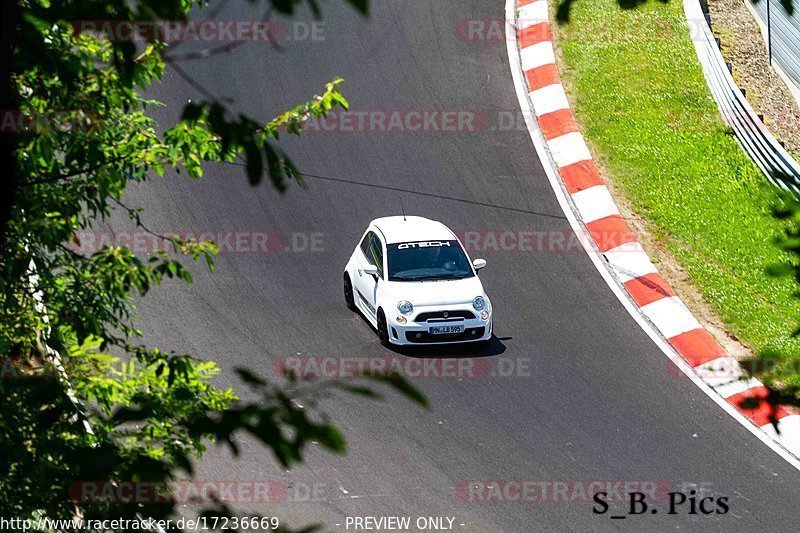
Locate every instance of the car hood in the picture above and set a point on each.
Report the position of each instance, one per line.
(445, 292)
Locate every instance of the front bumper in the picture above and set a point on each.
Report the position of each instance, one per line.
(417, 333)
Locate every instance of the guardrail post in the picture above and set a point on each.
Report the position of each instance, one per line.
(769, 34)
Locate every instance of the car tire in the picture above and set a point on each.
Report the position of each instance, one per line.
(348, 293)
(383, 329)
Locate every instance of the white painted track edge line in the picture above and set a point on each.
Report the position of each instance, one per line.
(600, 264)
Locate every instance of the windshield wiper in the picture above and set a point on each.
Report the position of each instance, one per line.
(432, 277)
(413, 278)
(452, 276)
(437, 277)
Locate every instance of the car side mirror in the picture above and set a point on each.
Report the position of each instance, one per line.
(372, 271)
(479, 264)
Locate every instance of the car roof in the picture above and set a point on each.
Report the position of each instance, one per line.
(411, 228)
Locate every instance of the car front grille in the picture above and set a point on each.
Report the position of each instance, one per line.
(439, 316)
(424, 336)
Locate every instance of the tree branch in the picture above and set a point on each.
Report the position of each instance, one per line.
(72, 174)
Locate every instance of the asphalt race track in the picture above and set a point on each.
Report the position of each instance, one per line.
(589, 396)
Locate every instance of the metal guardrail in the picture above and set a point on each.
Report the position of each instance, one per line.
(773, 160)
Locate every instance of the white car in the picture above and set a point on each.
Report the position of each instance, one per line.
(412, 280)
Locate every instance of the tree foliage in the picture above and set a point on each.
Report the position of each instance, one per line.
(82, 397)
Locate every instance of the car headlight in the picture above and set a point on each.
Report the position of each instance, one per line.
(479, 303)
(405, 307)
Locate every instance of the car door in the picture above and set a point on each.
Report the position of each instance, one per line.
(366, 285)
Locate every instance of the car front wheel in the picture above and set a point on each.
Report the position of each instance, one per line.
(383, 329)
(348, 293)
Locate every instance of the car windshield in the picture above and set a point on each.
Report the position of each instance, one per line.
(427, 260)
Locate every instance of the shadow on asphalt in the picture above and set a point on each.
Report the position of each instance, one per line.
(490, 348)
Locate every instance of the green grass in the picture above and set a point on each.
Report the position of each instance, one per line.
(641, 98)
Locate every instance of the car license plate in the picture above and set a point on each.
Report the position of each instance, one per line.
(441, 330)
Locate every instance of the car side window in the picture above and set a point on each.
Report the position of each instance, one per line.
(376, 253)
(365, 244)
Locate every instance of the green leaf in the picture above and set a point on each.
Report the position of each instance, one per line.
(331, 438)
(358, 390)
(362, 6)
